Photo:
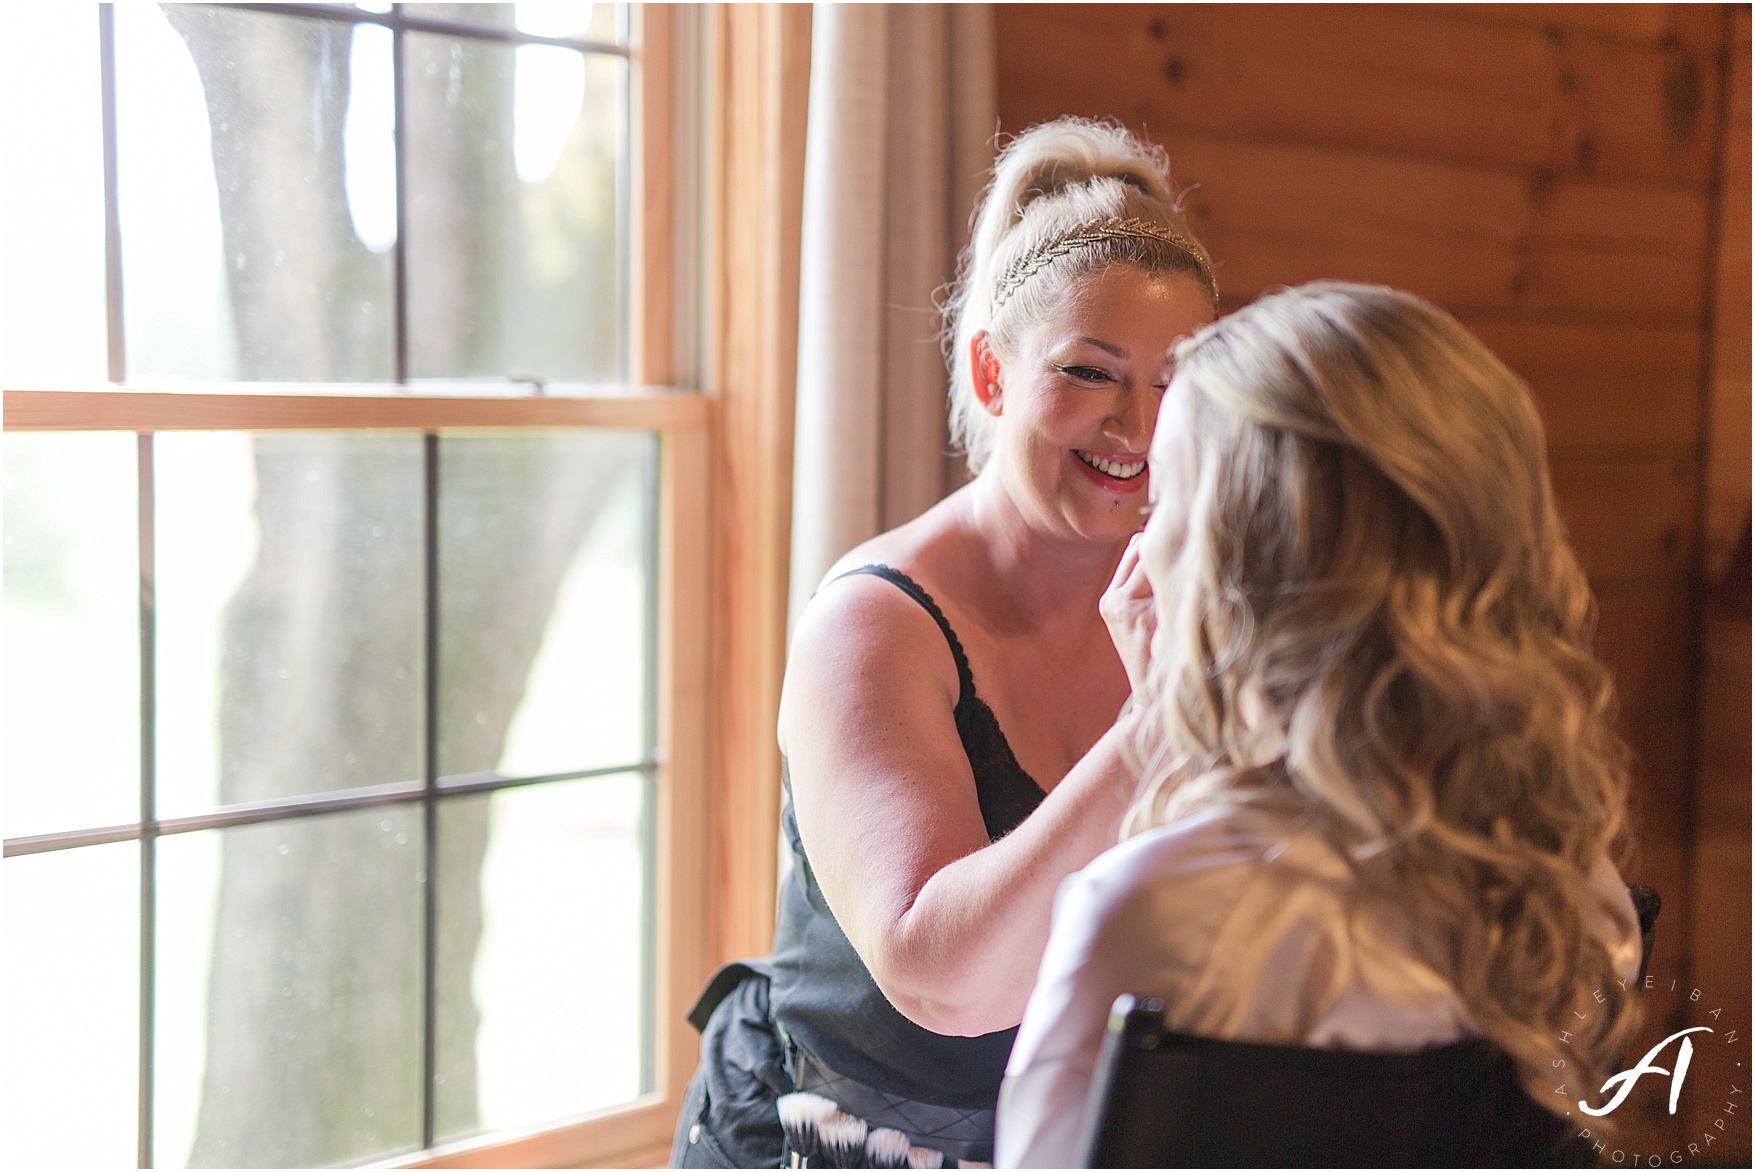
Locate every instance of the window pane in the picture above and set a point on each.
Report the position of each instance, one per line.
(555, 1024)
(542, 601)
(69, 1022)
(290, 991)
(71, 727)
(290, 586)
(188, 884)
(516, 210)
(52, 236)
(242, 248)
(575, 19)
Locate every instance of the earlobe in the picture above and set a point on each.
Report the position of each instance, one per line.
(984, 373)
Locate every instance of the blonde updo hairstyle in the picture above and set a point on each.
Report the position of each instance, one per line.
(1373, 618)
(1048, 181)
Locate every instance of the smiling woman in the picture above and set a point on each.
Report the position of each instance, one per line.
(949, 715)
(1060, 379)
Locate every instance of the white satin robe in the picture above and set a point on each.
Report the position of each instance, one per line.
(1240, 923)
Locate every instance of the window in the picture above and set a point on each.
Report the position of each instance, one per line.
(354, 771)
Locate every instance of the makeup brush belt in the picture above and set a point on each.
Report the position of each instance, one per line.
(729, 1116)
(964, 1136)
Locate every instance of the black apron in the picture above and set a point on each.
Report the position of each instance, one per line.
(810, 1017)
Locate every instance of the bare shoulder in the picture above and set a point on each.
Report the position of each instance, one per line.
(863, 641)
(860, 619)
(862, 648)
(864, 628)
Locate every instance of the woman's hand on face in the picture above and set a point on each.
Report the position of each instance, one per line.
(1131, 613)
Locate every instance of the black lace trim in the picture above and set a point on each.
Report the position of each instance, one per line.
(1006, 791)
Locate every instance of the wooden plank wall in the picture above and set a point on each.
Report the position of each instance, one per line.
(1720, 903)
(1552, 175)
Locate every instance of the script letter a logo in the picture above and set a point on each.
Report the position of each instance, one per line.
(1626, 1079)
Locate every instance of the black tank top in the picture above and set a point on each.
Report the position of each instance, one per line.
(822, 993)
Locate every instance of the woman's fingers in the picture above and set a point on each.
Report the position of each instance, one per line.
(1130, 576)
(1130, 560)
(1130, 612)
(1138, 583)
(1130, 586)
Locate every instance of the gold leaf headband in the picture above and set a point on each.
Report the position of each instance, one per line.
(1099, 232)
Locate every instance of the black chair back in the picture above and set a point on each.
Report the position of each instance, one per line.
(1167, 1100)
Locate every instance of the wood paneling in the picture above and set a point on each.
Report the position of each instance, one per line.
(1431, 82)
(1728, 466)
(1718, 923)
(1628, 515)
(1604, 385)
(1719, 919)
(1483, 242)
(1696, 26)
(1661, 740)
(1644, 633)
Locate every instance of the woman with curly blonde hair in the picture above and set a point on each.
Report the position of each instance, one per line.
(1381, 789)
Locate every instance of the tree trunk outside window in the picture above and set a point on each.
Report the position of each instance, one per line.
(315, 1003)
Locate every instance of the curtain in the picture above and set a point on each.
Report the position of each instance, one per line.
(901, 134)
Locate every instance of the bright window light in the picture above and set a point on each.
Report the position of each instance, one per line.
(369, 138)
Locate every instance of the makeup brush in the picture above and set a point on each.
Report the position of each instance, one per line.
(801, 1115)
(842, 1139)
(925, 1158)
(885, 1147)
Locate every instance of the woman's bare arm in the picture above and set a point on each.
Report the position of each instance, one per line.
(951, 927)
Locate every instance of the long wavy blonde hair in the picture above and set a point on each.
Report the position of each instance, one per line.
(1369, 613)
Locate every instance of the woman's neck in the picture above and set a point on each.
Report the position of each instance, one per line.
(1038, 575)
